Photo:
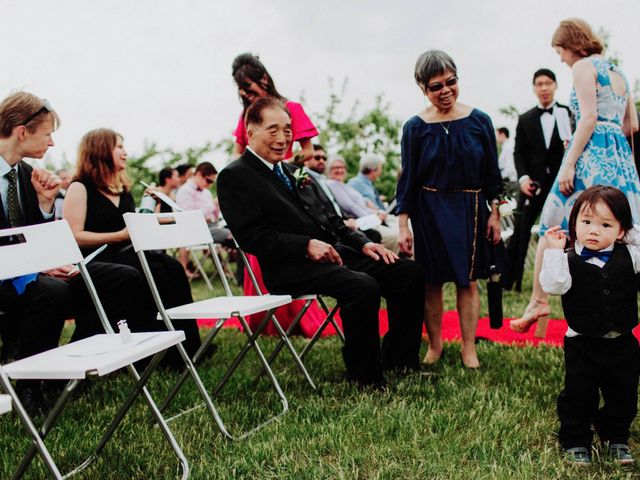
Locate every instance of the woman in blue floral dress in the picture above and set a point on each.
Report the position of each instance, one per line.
(598, 153)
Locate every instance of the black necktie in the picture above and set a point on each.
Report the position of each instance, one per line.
(545, 110)
(277, 169)
(13, 204)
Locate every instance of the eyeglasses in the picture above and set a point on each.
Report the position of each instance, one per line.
(436, 87)
(320, 157)
(46, 108)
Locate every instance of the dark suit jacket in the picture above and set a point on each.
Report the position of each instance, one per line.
(530, 152)
(28, 199)
(274, 223)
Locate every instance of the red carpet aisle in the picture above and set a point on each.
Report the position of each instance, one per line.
(451, 330)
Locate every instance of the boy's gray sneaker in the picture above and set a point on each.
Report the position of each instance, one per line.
(621, 454)
(578, 455)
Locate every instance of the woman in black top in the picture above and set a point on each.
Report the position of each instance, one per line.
(94, 205)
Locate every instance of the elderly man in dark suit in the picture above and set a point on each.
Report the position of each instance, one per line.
(541, 134)
(304, 248)
(34, 307)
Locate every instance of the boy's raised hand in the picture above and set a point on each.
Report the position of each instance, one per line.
(556, 238)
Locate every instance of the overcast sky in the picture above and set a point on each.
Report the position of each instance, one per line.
(160, 71)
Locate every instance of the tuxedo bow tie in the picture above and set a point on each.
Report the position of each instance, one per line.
(587, 253)
(545, 110)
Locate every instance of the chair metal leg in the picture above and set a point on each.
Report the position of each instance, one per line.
(205, 395)
(240, 356)
(200, 269)
(37, 440)
(333, 320)
(139, 388)
(316, 335)
(45, 429)
(122, 411)
(164, 426)
(285, 341)
(185, 373)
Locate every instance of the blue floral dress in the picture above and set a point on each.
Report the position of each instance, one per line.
(606, 159)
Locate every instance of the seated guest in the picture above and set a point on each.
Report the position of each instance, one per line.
(185, 172)
(370, 170)
(195, 195)
(36, 306)
(354, 205)
(168, 182)
(302, 248)
(97, 198)
(65, 180)
(315, 168)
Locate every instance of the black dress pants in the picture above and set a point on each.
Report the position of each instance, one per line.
(597, 366)
(358, 286)
(527, 213)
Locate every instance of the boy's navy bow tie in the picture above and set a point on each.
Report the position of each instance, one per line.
(587, 253)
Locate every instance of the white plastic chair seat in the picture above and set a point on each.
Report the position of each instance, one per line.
(5, 404)
(226, 307)
(100, 354)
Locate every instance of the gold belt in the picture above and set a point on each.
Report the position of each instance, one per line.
(465, 190)
(476, 192)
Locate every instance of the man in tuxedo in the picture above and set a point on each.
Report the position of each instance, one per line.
(304, 248)
(541, 136)
(35, 306)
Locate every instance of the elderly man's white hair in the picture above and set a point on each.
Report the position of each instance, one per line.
(370, 161)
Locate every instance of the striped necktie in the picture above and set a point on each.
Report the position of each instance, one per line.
(277, 169)
(16, 220)
(13, 204)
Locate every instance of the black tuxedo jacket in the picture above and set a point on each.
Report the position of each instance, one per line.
(530, 152)
(28, 199)
(272, 222)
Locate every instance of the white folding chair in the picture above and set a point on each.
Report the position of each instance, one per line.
(42, 248)
(184, 229)
(284, 335)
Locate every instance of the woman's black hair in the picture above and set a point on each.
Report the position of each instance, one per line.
(248, 67)
(611, 197)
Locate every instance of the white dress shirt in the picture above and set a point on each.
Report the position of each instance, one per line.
(506, 162)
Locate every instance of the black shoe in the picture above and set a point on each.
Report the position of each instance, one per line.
(30, 395)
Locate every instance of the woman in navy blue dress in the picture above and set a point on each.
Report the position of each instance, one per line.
(449, 174)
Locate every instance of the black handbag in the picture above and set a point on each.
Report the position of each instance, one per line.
(494, 287)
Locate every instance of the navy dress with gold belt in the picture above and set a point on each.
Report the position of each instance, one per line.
(449, 171)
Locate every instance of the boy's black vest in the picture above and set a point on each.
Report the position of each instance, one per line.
(602, 299)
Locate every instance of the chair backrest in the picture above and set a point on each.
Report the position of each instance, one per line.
(158, 231)
(46, 246)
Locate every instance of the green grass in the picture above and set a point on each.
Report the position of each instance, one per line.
(446, 423)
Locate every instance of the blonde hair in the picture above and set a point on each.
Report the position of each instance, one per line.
(23, 108)
(577, 36)
(95, 162)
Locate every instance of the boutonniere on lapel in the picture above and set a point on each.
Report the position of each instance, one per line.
(302, 178)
